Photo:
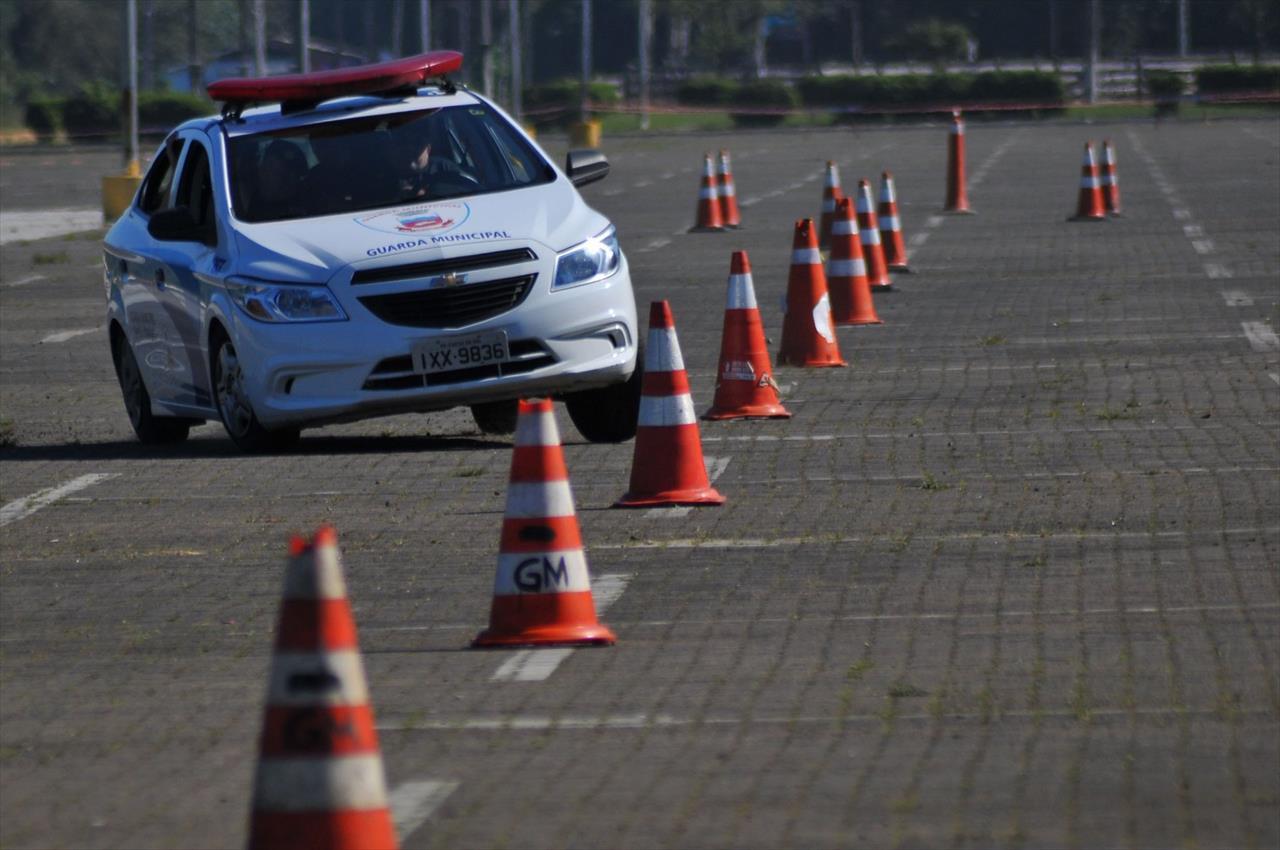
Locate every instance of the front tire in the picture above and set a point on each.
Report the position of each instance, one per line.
(235, 408)
(151, 430)
(496, 417)
(608, 414)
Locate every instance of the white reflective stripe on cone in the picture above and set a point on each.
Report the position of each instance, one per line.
(537, 429)
(864, 203)
(805, 257)
(317, 678)
(336, 783)
(828, 205)
(727, 191)
(846, 268)
(889, 222)
(822, 318)
(530, 500)
(844, 227)
(321, 580)
(557, 571)
(887, 193)
(870, 236)
(1089, 183)
(832, 179)
(742, 295)
(664, 411)
(662, 351)
(1108, 180)
(707, 193)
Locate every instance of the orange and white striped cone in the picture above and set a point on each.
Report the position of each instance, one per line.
(847, 271)
(542, 592)
(808, 332)
(895, 251)
(1110, 180)
(830, 192)
(745, 388)
(319, 781)
(708, 216)
(728, 192)
(667, 468)
(957, 188)
(872, 249)
(1089, 206)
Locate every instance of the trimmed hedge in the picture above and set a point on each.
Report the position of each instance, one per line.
(43, 116)
(1165, 85)
(904, 91)
(706, 91)
(94, 110)
(1220, 79)
(762, 94)
(565, 94)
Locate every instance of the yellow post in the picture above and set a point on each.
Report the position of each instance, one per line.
(585, 134)
(118, 191)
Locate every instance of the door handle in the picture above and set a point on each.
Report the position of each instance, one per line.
(159, 278)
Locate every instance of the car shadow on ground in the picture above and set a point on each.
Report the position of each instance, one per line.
(221, 448)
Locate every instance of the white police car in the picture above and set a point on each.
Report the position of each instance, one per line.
(370, 241)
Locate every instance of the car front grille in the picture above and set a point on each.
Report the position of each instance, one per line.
(466, 263)
(396, 373)
(450, 306)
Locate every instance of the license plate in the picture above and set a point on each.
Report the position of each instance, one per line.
(450, 353)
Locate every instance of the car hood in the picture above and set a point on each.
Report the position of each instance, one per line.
(552, 215)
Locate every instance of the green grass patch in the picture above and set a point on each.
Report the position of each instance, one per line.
(1108, 414)
(8, 436)
(928, 482)
(56, 258)
(468, 472)
(905, 690)
(994, 339)
(859, 669)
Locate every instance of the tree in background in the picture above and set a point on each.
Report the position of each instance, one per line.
(934, 41)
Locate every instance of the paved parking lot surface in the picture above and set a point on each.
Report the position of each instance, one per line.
(1010, 579)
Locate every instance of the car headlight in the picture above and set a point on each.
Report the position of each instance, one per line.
(284, 302)
(593, 260)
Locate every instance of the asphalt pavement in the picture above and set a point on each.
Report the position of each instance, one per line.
(1011, 579)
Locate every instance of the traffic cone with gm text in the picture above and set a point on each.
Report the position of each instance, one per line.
(808, 332)
(667, 467)
(319, 780)
(745, 388)
(542, 593)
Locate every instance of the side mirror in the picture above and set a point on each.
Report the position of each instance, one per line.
(585, 166)
(177, 225)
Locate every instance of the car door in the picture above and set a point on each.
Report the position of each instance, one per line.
(140, 274)
(179, 267)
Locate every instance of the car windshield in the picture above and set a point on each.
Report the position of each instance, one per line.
(380, 161)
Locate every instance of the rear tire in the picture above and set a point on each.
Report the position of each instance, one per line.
(608, 414)
(151, 429)
(235, 408)
(496, 417)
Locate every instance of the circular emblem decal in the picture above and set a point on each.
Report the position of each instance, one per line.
(425, 218)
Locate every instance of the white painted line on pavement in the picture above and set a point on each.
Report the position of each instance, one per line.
(1202, 246)
(1217, 271)
(535, 665)
(1261, 336)
(654, 245)
(918, 239)
(20, 225)
(641, 184)
(1181, 213)
(63, 336)
(667, 175)
(1237, 298)
(715, 467)
(27, 505)
(1275, 376)
(413, 802)
(609, 193)
(1193, 231)
(933, 221)
(31, 278)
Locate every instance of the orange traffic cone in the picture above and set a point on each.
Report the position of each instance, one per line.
(872, 250)
(319, 781)
(542, 593)
(830, 191)
(667, 468)
(895, 252)
(1110, 181)
(808, 333)
(847, 271)
(957, 190)
(745, 388)
(729, 212)
(1089, 205)
(709, 218)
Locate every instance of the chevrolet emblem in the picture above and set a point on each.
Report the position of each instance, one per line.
(448, 279)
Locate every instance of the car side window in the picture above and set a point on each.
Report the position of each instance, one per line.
(155, 191)
(195, 189)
